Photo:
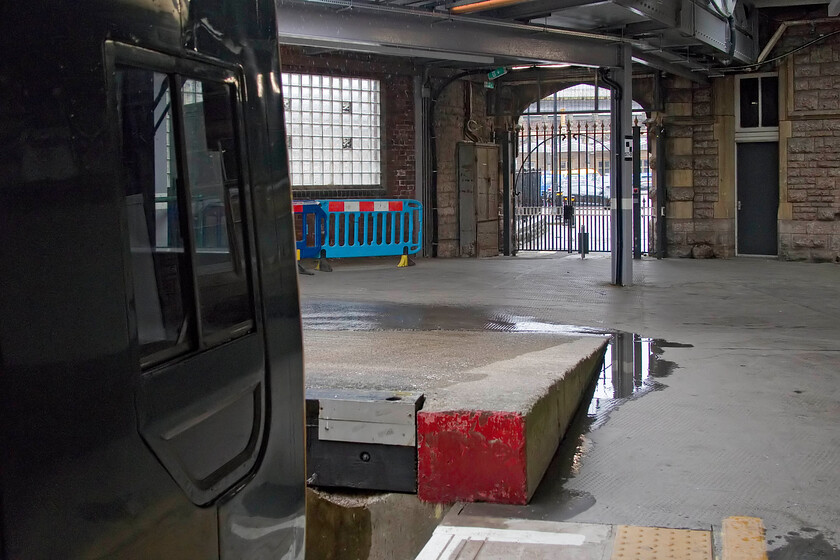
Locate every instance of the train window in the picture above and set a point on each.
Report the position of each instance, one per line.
(159, 262)
(180, 152)
(213, 172)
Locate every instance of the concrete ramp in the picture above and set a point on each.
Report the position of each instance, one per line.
(497, 404)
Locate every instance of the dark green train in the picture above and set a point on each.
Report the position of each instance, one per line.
(151, 376)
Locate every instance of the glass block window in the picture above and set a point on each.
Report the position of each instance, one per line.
(334, 128)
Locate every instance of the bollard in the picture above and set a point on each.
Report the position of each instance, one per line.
(583, 243)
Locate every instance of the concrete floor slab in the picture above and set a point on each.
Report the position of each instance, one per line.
(747, 422)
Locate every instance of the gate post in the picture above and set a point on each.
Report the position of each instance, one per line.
(637, 191)
(505, 139)
(620, 180)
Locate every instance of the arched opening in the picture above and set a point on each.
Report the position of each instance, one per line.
(563, 166)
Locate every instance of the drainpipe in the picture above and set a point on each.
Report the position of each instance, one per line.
(765, 52)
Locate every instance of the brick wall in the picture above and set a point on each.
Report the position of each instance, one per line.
(397, 87)
(809, 224)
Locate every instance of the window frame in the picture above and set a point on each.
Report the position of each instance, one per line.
(768, 131)
(177, 70)
(380, 127)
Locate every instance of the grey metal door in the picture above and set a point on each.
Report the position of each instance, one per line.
(758, 198)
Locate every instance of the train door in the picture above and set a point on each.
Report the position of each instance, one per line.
(201, 398)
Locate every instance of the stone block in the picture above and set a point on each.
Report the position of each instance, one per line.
(680, 225)
(702, 109)
(808, 242)
(679, 210)
(828, 214)
(680, 131)
(824, 256)
(822, 53)
(700, 238)
(703, 213)
(798, 145)
(681, 162)
(820, 228)
(679, 178)
(680, 193)
(806, 100)
(806, 70)
(797, 195)
(678, 95)
(679, 146)
(702, 251)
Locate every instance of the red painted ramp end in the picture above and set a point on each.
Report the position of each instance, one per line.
(471, 456)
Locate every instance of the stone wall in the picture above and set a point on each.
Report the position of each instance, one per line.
(396, 80)
(695, 117)
(809, 216)
(457, 103)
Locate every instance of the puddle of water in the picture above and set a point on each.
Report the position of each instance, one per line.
(802, 547)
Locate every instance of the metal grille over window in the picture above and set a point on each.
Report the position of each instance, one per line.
(335, 130)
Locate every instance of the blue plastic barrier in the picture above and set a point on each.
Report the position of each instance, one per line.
(372, 228)
(310, 229)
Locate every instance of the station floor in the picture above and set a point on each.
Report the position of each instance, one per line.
(737, 411)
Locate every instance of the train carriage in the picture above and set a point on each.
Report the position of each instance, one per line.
(151, 369)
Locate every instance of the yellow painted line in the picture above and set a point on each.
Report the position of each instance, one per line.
(654, 543)
(743, 539)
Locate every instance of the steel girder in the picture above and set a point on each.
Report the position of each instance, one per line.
(383, 30)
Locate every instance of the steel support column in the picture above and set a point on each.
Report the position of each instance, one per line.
(621, 184)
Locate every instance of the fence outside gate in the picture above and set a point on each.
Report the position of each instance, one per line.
(563, 188)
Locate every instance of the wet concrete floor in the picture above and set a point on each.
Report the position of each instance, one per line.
(727, 402)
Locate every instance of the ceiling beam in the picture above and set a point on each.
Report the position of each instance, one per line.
(674, 68)
(379, 29)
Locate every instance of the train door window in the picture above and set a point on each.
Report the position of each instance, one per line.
(213, 172)
(159, 263)
(180, 151)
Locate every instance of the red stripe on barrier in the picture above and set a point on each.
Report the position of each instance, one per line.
(366, 206)
(395, 206)
(297, 208)
(336, 207)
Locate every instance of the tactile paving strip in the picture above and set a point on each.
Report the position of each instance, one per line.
(652, 543)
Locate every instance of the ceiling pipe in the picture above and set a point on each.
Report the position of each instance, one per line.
(445, 16)
(485, 5)
(765, 52)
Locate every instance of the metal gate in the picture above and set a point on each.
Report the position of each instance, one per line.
(563, 188)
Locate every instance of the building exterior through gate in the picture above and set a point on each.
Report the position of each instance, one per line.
(563, 174)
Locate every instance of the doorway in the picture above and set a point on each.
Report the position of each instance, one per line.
(758, 198)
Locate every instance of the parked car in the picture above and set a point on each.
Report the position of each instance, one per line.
(585, 186)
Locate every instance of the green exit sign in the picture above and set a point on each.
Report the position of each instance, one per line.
(496, 73)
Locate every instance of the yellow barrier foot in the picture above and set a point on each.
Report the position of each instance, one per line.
(404, 260)
(323, 264)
